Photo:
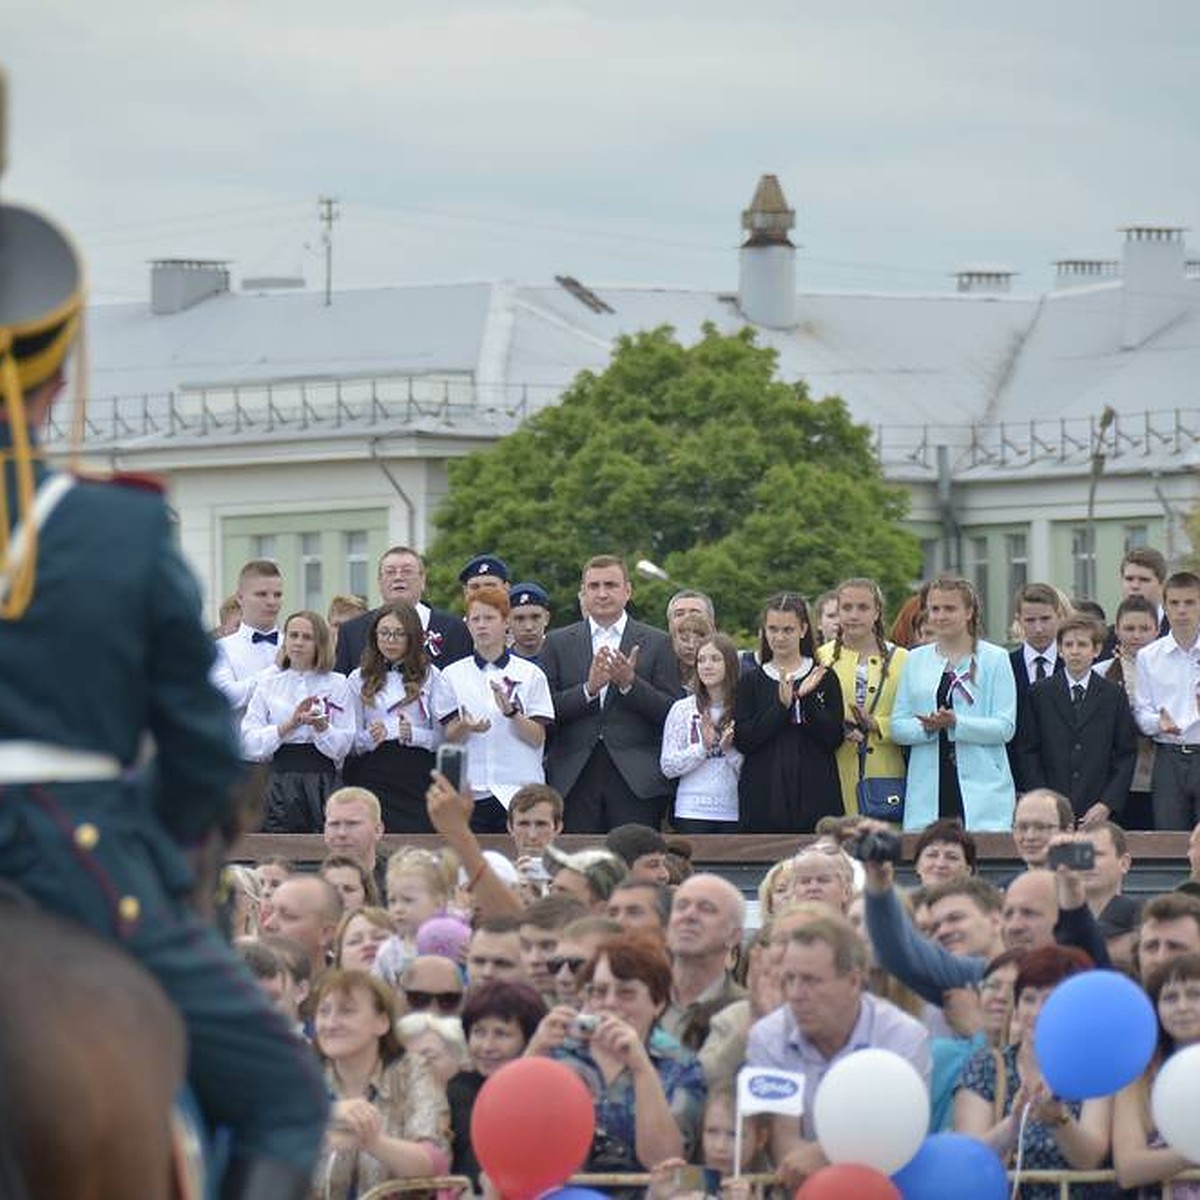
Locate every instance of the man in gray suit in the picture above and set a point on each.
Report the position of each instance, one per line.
(612, 679)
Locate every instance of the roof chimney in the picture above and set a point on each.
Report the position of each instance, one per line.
(984, 280)
(1155, 284)
(1078, 272)
(767, 260)
(178, 283)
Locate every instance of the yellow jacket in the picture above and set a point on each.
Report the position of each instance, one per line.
(884, 757)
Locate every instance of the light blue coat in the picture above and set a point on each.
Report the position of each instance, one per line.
(979, 737)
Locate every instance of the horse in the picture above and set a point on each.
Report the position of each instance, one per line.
(92, 1057)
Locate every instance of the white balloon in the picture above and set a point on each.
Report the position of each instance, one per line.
(872, 1108)
(1175, 1102)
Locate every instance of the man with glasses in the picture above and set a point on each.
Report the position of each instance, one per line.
(1040, 815)
(576, 945)
(541, 924)
(402, 577)
(431, 983)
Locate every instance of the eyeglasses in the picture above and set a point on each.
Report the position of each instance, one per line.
(1034, 827)
(574, 965)
(446, 1002)
(391, 635)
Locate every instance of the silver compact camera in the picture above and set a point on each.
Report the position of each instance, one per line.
(316, 709)
(584, 1025)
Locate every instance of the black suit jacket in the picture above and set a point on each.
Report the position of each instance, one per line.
(1021, 675)
(630, 726)
(1087, 751)
(446, 640)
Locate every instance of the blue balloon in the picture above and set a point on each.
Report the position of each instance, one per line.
(573, 1193)
(1095, 1034)
(953, 1164)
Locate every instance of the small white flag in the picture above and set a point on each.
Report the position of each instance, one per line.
(763, 1089)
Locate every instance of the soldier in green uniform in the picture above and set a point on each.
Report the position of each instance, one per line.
(101, 645)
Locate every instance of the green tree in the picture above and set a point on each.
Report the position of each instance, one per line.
(695, 457)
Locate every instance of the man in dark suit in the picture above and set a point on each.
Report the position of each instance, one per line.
(1039, 611)
(1079, 737)
(402, 577)
(613, 680)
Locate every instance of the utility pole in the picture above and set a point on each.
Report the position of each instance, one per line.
(326, 208)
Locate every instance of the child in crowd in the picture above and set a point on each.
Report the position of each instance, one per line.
(1135, 627)
(419, 886)
(1078, 736)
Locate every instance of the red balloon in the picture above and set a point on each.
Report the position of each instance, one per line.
(847, 1181)
(532, 1126)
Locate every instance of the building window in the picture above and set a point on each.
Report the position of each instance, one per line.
(979, 566)
(310, 571)
(1083, 563)
(1016, 553)
(262, 545)
(356, 562)
(1136, 536)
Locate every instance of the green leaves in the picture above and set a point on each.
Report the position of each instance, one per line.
(695, 457)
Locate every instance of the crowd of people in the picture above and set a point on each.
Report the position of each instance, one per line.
(418, 975)
(646, 979)
(830, 715)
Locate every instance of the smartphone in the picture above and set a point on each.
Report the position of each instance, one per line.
(1078, 856)
(705, 1180)
(451, 761)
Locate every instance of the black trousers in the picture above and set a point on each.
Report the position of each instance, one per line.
(600, 799)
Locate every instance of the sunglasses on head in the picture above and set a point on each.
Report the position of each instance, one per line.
(446, 1002)
(575, 965)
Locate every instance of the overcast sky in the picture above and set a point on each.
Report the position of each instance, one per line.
(615, 141)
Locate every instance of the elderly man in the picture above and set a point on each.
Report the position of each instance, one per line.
(402, 577)
(708, 915)
(827, 1015)
(431, 983)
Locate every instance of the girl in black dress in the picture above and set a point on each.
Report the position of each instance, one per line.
(788, 724)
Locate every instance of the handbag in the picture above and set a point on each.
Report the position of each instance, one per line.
(880, 797)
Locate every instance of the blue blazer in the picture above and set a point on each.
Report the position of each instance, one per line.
(979, 738)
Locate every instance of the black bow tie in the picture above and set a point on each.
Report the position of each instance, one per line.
(272, 637)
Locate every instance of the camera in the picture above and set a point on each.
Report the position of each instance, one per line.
(451, 761)
(584, 1025)
(875, 846)
(316, 709)
(1078, 856)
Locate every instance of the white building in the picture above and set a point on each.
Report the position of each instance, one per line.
(319, 435)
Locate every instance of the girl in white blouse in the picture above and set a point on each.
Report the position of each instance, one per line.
(697, 744)
(397, 693)
(300, 720)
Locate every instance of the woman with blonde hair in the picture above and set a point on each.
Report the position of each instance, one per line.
(389, 1118)
(300, 719)
(868, 668)
(956, 708)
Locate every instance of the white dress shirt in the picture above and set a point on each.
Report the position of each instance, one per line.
(240, 662)
(391, 705)
(1168, 676)
(1050, 654)
(499, 760)
(274, 701)
(605, 635)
